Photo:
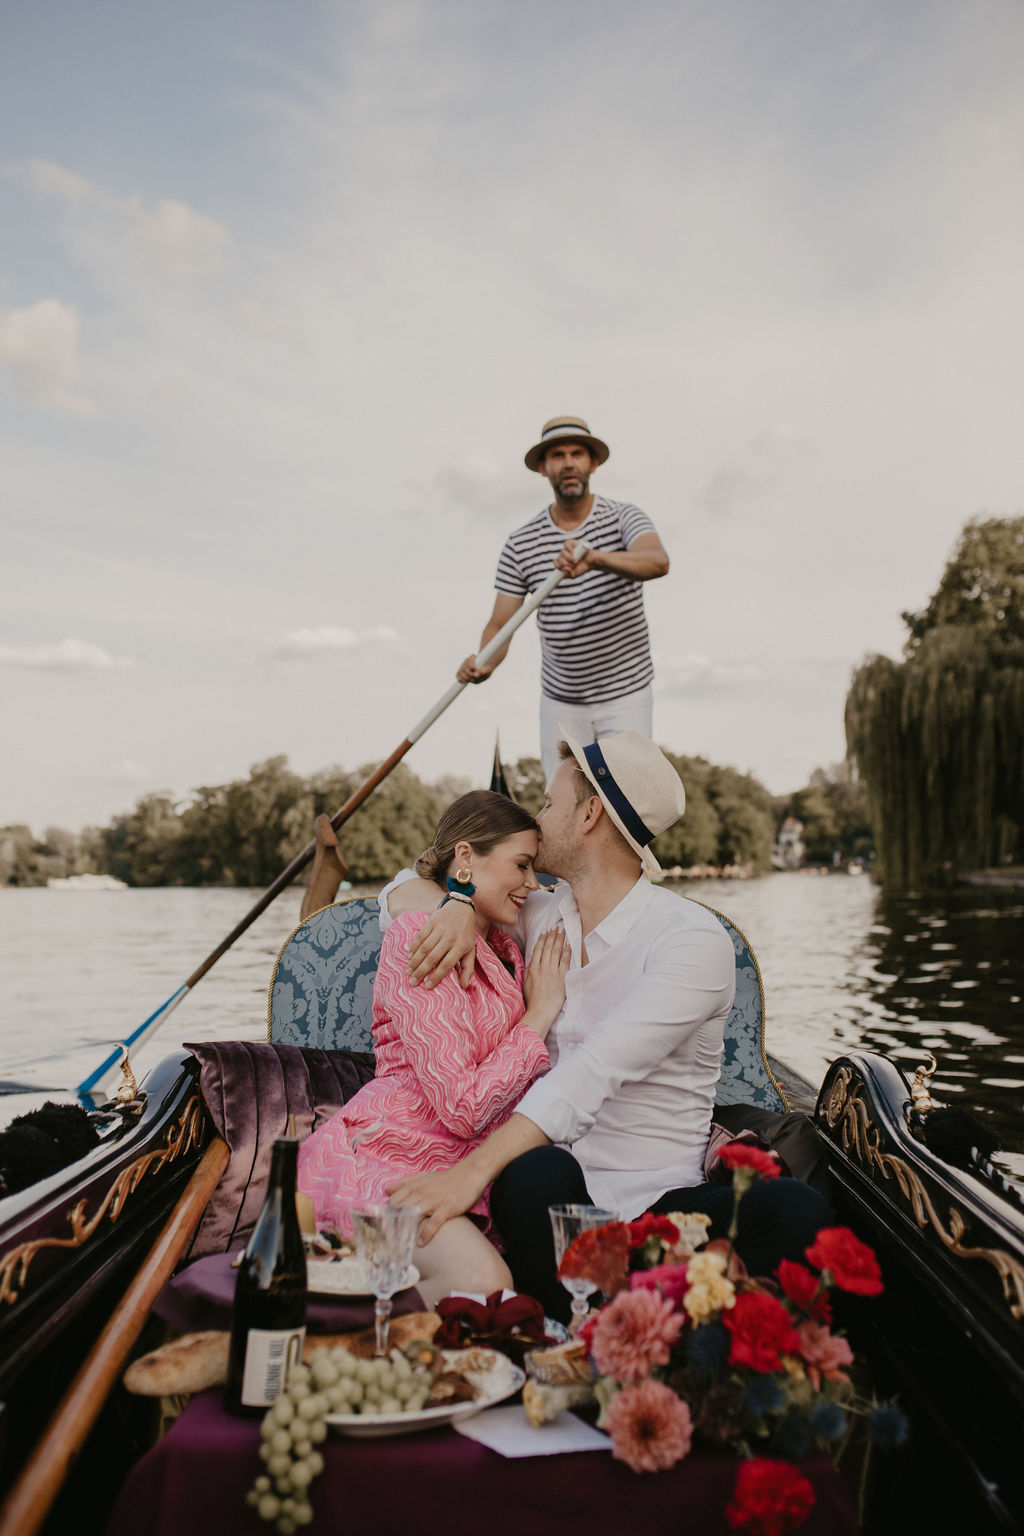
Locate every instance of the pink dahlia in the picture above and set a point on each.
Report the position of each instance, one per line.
(650, 1427)
(634, 1332)
(823, 1353)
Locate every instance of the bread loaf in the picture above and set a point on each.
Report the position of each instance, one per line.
(197, 1361)
(189, 1364)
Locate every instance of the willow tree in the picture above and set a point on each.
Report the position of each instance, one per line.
(939, 738)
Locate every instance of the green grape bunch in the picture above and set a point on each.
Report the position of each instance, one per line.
(294, 1426)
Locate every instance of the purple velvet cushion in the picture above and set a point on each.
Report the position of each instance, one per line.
(250, 1089)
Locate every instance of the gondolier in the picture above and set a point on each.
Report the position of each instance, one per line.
(596, 668)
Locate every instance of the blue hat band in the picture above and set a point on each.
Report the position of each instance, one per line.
(613, 794)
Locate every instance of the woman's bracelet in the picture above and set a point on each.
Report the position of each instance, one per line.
(456, 896)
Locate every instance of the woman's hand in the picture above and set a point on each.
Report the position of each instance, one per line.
(544, 982)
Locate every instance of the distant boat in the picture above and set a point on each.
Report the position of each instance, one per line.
(85, 883)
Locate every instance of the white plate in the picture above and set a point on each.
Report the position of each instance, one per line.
(344, 1277)
(493, 1385)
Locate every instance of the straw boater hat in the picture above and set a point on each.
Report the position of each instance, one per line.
(638, 786)
(561, 429)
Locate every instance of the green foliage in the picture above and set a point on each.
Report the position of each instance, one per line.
(526, 783)
(833, 810)
(245, 832)
(939, 738)
(982, 586)
(729, 819)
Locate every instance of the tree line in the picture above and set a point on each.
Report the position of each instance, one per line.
(938, 738)
(245, 832)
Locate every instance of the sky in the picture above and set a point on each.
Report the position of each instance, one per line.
(288, 288)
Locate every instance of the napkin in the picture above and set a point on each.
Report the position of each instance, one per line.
(508, 1431)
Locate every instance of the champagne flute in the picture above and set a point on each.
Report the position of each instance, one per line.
(385, 1239)
(567, 1222)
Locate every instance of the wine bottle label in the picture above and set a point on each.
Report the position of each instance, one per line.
(269, 1356)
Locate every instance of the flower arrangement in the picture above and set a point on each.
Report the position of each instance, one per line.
(688, 1345)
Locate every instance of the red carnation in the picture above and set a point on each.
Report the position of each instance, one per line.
(762, 1331)
(739, 1154)
(851, 1263)
(803, 1289)
(601, 1256)
(770, 1498)
(648, 1226)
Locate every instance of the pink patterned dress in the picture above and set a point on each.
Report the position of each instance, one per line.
(452, 1064)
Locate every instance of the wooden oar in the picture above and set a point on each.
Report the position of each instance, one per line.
(28, 1502)
(96, 1087)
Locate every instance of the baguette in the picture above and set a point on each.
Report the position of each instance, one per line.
(197, 1361)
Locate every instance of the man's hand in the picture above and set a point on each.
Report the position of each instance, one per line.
(440, 1196)
(469, 672)
(447, 939)
(566, 559)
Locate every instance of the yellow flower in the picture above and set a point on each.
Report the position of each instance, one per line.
(709, 1291)
(794, 1367)
(693, 1232)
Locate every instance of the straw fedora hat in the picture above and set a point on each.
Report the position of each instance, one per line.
(638, 786)
(562, 429)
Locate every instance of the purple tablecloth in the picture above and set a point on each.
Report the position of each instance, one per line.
(196, 1480)
(200, 1297)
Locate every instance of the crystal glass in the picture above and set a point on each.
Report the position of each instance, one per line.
(567, 1222)
(385, 1239)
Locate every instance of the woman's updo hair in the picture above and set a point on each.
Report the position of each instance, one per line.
(482, 819)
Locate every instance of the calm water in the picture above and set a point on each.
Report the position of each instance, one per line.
(843, 967)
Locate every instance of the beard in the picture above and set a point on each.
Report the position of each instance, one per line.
(570, 489)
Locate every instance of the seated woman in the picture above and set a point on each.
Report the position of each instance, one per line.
(452, 1062)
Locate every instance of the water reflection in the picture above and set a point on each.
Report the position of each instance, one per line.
(847, 968)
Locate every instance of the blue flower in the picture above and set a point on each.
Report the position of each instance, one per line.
(707, 1347)
(764, 1395)
(829, 1420)
(888, 1424)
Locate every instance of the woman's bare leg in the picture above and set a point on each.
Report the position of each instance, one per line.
(329, 869)
(460, 1258)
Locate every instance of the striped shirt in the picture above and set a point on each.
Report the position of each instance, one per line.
(593, 631)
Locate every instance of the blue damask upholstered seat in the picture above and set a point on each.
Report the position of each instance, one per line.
(746, 1076)
(321, 994)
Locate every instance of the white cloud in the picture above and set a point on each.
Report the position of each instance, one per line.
(769, 460)
(58, 181)
(179, 243)
(39, 346)
(694, 676)
(326, 638)
(169, 238)
(65, 656)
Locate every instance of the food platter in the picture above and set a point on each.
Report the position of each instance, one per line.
(493, 1375)
(344, 1277)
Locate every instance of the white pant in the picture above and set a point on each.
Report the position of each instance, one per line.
(589, 722)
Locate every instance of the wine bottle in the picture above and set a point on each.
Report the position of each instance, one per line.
(268, 1322)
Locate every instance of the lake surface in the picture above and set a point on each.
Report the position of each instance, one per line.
(843, 967)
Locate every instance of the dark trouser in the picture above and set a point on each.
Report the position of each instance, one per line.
(778, 1219)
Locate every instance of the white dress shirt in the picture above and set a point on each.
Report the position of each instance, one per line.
(636, 1050)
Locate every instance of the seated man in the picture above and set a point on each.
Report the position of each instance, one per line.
(635, 1052)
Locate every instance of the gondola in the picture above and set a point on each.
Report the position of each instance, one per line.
(85, 1250)
(945, 1337)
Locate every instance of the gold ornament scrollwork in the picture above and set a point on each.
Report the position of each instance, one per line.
(860, 1137)
(180, 1139)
